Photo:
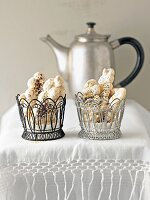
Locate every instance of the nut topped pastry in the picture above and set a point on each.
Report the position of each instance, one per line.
(35, 86)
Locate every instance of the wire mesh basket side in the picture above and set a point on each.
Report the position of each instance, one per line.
(97, 123)
(42, 120)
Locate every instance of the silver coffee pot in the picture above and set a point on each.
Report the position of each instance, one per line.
(88, 54)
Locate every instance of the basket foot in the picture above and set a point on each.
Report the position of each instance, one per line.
(104, 135)
(43, 136)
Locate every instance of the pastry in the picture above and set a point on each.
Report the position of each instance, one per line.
(48, 84)
(54, 87)
(54, 93)
(119, 93)
(104, 95)
(91, 88)
(30, 94)
(39, 76)
(108, 75)
(58, 81)
(22, 98)
(42, 96)
(35, 86)
(31, 82)
(90, 83)
(96, 89)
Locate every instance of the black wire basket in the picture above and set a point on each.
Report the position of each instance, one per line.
(42, 120)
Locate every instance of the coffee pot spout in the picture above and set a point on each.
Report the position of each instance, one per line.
(61, 53)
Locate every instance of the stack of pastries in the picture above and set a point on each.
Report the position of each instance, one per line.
(103, 92)
(40, 90)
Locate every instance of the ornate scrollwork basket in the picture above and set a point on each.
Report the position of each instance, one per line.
(97, 122)
(42, 120)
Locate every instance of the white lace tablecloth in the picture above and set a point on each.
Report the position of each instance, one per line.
(75, 168)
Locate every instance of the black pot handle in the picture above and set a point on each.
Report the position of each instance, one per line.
(140, 58)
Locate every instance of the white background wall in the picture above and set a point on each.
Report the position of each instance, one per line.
(23, 22)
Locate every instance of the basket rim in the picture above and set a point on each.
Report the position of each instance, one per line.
(94, 103)
(48, 98)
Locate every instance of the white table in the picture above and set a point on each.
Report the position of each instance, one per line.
(120, 157)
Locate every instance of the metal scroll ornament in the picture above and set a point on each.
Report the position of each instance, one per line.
(42, 120)
(96, 122)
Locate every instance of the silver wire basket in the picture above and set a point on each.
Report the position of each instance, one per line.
(42, 120)
(97, 123)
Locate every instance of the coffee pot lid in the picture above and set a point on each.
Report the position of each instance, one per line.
(91, 34)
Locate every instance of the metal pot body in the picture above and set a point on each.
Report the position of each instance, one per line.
(86, 61)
